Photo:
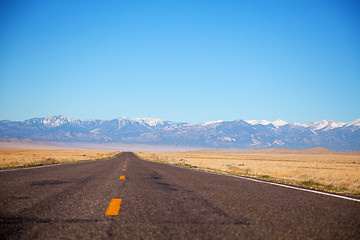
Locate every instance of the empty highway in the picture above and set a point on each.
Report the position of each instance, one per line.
(129, 198)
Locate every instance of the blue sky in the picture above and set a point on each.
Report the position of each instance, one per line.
(184, 61)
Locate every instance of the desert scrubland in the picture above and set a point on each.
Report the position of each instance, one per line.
(23, 158)
(315, 168)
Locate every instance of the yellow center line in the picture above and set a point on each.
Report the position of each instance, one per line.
(114, 207)
(122, 177)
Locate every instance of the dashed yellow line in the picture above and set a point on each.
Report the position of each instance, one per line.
(114, 207)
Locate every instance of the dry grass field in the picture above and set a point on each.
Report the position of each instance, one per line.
(315, 168)
(22, 158)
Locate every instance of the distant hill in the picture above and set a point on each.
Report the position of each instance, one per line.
(311, 151)
(237, 134)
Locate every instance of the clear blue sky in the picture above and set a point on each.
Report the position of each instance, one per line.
(184, 61)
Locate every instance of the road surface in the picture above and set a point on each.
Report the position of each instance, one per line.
(129, 198)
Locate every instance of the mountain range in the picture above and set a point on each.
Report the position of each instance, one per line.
(237, 134)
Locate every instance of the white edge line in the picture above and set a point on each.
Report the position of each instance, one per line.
(296, 188)
(267, 182)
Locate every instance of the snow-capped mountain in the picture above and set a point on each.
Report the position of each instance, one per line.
(149, 121)
(237, 134)
(53, 121)
(355, 123)
(324, 125)
(277, 123)
(261, 122)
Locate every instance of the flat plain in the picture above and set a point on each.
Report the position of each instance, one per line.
(317, 168)
(25, 158)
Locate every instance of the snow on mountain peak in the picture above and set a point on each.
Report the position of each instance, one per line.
(143, 121)
(324, 125)
(279, 123)
(254, 122)
(355, 123)
(212, 122)
(56, 121)
(150, 121)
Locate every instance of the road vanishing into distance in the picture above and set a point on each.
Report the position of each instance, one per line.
(129, 198)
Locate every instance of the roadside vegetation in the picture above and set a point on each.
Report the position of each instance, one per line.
(338, 173)
(12, 158)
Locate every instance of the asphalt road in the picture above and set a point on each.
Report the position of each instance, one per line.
(158, 201)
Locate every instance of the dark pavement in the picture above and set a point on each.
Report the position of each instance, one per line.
(159, 201)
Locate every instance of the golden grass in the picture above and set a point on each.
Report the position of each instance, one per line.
(335, 172)
(18, 158)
